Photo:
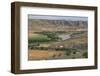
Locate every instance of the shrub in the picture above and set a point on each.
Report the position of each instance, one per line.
(68, 53)
(73, 57)
(60, 54)
(54, 56)
(74, 52)
(85, 55)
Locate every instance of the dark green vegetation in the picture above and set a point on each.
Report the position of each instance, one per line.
(85, 54)
(43, 37)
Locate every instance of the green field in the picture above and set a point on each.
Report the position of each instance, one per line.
(38, 38)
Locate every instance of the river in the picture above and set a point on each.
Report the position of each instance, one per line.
(65, 36)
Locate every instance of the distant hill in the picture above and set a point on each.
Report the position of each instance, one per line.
(55, 25)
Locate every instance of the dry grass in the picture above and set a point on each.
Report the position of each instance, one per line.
(43, 54)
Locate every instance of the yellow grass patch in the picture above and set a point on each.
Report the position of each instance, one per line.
(43, 54)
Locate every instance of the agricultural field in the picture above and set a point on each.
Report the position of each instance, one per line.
(57, 39)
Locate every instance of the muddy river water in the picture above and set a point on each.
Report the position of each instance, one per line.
(65, 36)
